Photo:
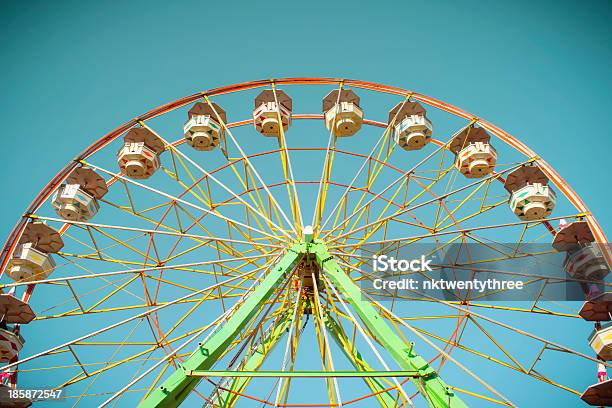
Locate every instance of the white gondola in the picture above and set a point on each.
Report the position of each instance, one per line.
(476, 160)
(533, 201)
(29, 264)
(343, 114)
(72, 203)
(531, 197)
(586, 262)
(475, 157)
(601, 341)
(203, 129)
(584, 257)
(269, 108)
(139, 156)
(30, 259)
(598, 308)
(77, 200)
(10, 345)
(412, 130)
(599, 394)
(15, 310)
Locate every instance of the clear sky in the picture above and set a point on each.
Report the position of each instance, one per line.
(70, 71)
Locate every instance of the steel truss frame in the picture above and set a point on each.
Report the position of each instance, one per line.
(179, 384)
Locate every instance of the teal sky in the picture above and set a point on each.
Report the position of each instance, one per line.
(70, 71)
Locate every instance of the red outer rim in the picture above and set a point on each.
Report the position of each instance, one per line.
(571, 195)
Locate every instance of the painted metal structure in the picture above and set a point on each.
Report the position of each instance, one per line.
(328, 257)
(48, 190)
(177, 386)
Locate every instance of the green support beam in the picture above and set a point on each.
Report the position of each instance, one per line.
(431, 386)
(302, 374)
(377, 387)
(228, 399)
(179, 385)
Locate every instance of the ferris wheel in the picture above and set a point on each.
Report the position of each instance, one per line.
(215, 251)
